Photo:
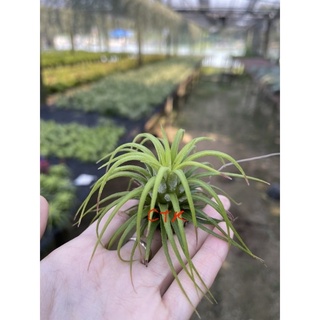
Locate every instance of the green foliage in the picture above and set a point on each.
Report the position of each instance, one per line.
(170, 179)
(78, 141)
(134, 94)
(59, 191)
(50, 59)
(59, 171)
(61, 78)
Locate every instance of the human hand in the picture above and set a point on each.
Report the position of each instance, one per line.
(71, 289)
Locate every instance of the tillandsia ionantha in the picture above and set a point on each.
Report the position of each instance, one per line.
(171, 190)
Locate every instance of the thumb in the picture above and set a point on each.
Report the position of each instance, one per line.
(44, 211)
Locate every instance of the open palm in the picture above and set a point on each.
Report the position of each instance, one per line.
(71, 288)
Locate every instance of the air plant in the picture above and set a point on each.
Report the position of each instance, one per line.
(170, 180)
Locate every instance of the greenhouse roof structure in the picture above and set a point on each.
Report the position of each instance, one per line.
(215, 14)
(206, 14)
(170, 21)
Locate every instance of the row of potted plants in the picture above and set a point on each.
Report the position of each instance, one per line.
(61, 78)
(133, 94)
(51, 59)
(73, 140)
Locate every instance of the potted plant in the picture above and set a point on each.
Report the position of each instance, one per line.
(171, 190)
(56, 186)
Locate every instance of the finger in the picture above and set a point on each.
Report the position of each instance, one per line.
(226, 204)
(159, 266)
(114, 224)
(207, 261)
(44, 213)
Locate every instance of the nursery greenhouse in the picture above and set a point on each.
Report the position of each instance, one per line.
(179, 100)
